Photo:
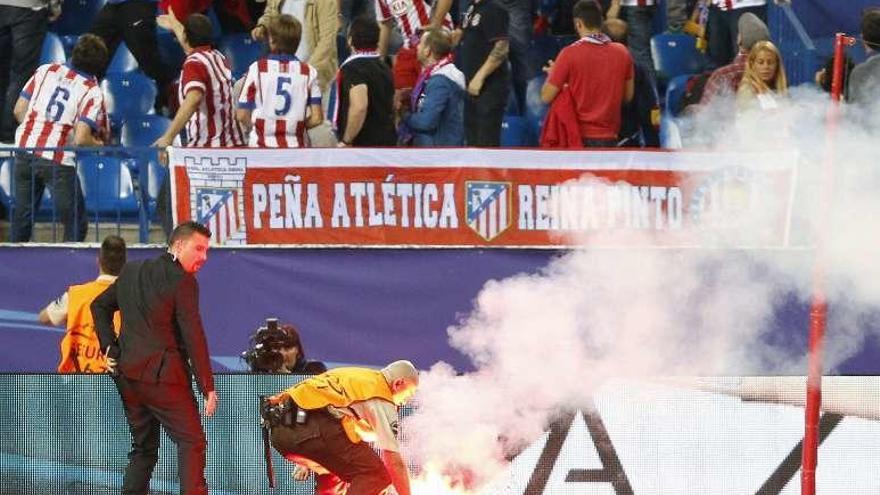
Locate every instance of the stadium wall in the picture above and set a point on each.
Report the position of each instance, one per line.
(363, 306)
(66, 435)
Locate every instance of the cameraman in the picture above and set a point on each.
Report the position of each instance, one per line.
(278, 349)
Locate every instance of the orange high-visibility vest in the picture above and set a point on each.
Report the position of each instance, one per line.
(341, 387)
(80, 350)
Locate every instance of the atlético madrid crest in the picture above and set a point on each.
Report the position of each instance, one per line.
(488, 207)
(218, 210)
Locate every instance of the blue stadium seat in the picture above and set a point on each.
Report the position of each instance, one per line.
(77, 16)
(536, 110)
(670, 133)
(542, 49)
(67, 41)
(108, 188)
(674, 55)
(128, 95)
(53, 50)
(122, 61)
(674, 91)
(515, 132)
(217, 32)
(241, 51)
(169, 49)
(143, 132)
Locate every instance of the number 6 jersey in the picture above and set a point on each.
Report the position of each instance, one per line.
(59, 97)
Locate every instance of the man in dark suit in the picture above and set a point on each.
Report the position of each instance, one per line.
(160, 346)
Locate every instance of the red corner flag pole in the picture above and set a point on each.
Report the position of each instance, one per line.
(819, 309)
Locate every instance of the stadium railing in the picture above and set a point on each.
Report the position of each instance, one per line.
(799, 53)
(117, 187)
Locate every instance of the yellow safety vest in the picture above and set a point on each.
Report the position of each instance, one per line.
(341, 387)
(80, 350)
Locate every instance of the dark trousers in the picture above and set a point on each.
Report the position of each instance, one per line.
(322, 440)
(483, 113)
(32, 176)
(520, 31)
(164, 211)
(134, 22)
(722, 30)
(21, 40)
(147, 406)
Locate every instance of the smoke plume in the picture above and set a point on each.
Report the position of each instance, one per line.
(540, 341)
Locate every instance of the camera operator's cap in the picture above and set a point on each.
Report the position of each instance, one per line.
(752, 30)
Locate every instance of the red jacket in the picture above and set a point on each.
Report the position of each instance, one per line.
(183, 9)
(561, 128)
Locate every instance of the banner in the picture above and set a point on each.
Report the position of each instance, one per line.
(475, 197)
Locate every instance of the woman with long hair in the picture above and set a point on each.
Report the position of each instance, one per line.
(764, 78)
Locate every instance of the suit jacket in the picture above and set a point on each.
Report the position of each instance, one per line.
(161, 327)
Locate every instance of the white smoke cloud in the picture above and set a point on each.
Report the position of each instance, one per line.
(541, 341)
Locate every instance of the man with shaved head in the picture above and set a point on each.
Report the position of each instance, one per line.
(322, 422)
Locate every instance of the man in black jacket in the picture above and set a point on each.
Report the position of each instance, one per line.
(160, 346)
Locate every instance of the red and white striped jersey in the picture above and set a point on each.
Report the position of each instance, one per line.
(58, 98)
(278, 90)
(410, 16)
(737, 4)
(213, 124)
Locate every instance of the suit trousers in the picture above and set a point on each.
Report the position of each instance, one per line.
(173, 406)
(323, 440)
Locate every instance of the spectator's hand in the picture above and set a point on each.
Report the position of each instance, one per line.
(54, 12)
(111, 365)
(819, 77)
(456, 37)
(168, 21)
(300, 473)
(341, 144)
(163, 142)
(258, 33)
(475, 86)
(211, 402)
(547, 68)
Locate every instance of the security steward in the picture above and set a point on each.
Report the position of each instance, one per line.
(80, 350)
(322, 423)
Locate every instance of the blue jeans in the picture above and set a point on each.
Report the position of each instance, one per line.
(21, 40)
(32, 176)
(640, 21)
(520, 32)
(723, 29)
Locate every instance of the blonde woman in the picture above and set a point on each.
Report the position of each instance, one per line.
(764, 79)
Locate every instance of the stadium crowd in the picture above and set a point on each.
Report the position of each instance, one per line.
(408, 73)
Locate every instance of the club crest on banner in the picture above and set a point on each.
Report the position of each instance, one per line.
(217, 209)
(488, 207)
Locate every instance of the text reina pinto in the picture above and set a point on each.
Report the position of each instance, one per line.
(294, 205)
